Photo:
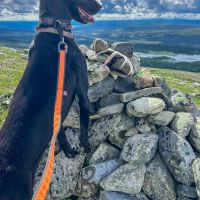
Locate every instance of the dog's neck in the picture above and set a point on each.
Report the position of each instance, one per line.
(53, 30)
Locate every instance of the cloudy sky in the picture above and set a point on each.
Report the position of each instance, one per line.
(112, 9)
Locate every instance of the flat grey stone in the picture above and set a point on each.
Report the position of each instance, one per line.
(96, 173)
(140, 148)
(135, 60)
(130, 96)
(143, 126)
(145, 106)
(162, 119)
(103, 153)
(186, 191)
(125, 48)
(196, 174)
(182, 123)
(91, 55)
(84, 49)
(101, 128)
(101, 89)
(177, 154)
(128, 178)
(108, 110)
(158, 182)
(99, 45)
(111, 99)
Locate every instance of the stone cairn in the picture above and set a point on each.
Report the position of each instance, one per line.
(145, 138)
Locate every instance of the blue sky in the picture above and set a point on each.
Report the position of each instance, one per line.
(112, 9)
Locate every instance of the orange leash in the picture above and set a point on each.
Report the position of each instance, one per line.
(43, 187)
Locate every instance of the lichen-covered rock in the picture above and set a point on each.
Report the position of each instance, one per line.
(85, 189)
(101, 89)
(125, 48)
(99, 45)
(128, 178)
(108, 110)
(103, 153)
(145, 106)
(101, 128)
(130, 96)
(131, 132)
(135, 60)
(182, 123)
(143, 79)
(158, 182)
(84, 49)
(118, 135)
(196, 174)
(111, 99)
(91, 55)
(177, 154)
(65, 176)
(97, 72)
(186, 191)
(162, 119)
(194, 136)
(116, 196)
(95, 173)
(140, 148)
(145, 127)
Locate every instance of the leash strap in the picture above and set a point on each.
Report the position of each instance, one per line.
(43, 187)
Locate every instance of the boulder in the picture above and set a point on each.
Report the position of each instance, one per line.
(194, 136)
(91, 55)
(145, 106)
(196, 174)
(99, 45)
(131, 132)
(135, 60)
(103, 153)
(97, 72)
(110, 99)
(162, 119)
(177, 154)
(143, 79)
(158, 182)
(186, 191)
(101, 89)
(140, 148)
(96, 173)
(128, 178)
(130, 96)
(182, 123)
(118, 135)
(143, 126)
(84, 49)
(101, 128)
(125, 48)
(108, 110)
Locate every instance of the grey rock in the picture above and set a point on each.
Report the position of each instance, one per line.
(118, 135)
(96, 72)
(108, 110)
(103, 153)
(84, 49)
(135, 60)
(196, 174)
(140, 148)
(129, 96)
(143, 126)
(145, 106)
(131, 132)
(101, 89)
(125, 48)
(162, 119)
(183, 198)
(99, 45)
(91, 55)
(96, 173)
(101, 129)
(124, 85)
(128, 178)
(194, 136)
(111, 99)
(182, 123)
(186, 191)
(158, 182)
(116, 196)
(65, 176)
(85, 189)
(177, 154)
(89, 198)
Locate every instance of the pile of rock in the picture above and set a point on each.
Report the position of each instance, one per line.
(145, 141)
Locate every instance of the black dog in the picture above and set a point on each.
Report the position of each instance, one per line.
(29, 125)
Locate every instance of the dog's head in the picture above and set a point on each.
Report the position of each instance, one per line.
(83, 10)
(79, 10)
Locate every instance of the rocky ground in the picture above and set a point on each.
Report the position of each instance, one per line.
(145, 137)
